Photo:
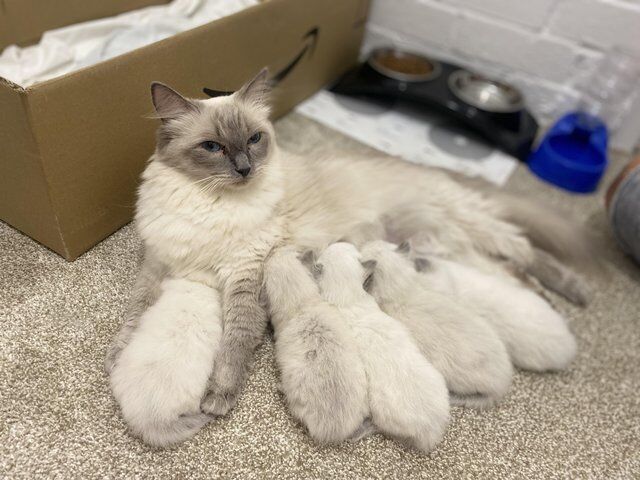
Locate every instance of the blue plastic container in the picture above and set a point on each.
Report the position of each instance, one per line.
(573, 154)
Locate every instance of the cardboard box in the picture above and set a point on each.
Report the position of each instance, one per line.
(72, 148)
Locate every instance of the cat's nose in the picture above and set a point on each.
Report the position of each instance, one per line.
(244, 171)
(241, 162)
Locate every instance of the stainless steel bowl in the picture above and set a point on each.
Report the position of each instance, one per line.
(404, 66)
(484, 93)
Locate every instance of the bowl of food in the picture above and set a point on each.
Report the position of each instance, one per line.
(404, 66)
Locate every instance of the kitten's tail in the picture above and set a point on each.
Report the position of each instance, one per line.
(171, 432)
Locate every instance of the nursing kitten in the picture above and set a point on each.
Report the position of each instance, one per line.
(321, 374)
(545, 268)
(161, 374)
(408, 398)
(217, 194)
(455, 339)
(536, 336)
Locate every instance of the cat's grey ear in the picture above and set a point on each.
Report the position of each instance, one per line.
(257, 90)
(404, 247)
(307, 258)
(369, 265)
(368, 282)
(316, 270)
(421, 264)
(169, 103)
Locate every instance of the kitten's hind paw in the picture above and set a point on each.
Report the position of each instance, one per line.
(364, 430)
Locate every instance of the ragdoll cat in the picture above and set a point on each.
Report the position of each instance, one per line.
(207, 211)
(321, 374)
(536, 336)
(161, 374)
(408, 398)
(217, 194)
(456, 340)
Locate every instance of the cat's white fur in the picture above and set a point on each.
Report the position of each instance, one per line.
(161, 375)
(321, 374)
(456, 340)
(199, 234)
(536, 336)
(408, 398)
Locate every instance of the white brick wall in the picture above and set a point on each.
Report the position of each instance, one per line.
(546, 47)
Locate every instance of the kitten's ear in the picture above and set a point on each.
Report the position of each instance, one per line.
(421, 264)
(169, 103)
(316, 269)
(404, 247)
(368, 283)
(257, 90)
(307, 258)
(369, 265)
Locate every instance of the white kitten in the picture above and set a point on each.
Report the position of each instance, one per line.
(321, 374)
(160, 377)
(407, 397)
(455, 339)
(536, 336)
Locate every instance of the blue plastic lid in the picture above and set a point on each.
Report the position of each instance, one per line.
(573, 153)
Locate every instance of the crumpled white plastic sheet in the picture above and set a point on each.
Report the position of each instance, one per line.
(77, 46)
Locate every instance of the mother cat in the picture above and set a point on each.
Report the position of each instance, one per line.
(218, 194)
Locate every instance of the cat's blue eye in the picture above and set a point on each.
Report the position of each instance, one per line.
(211, 146)
(255, 138)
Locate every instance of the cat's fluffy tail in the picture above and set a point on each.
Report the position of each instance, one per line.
(549, 230)
(546, 226)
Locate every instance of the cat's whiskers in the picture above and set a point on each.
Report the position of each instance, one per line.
(210, 186)
(199, 181)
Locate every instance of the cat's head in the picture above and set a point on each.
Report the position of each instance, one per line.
(224, 142)
(394, 268)
(340, 271)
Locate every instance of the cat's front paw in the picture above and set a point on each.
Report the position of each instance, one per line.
(217, 403)
(223, 389)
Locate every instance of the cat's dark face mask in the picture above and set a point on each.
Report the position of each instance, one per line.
(221, 142)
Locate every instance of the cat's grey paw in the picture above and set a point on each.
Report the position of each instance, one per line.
(578, 291)
(217, 403)
(364, 430)
(222, 392)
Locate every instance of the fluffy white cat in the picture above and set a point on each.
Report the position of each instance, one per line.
(408, 398)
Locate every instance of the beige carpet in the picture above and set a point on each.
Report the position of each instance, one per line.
(58, 419)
